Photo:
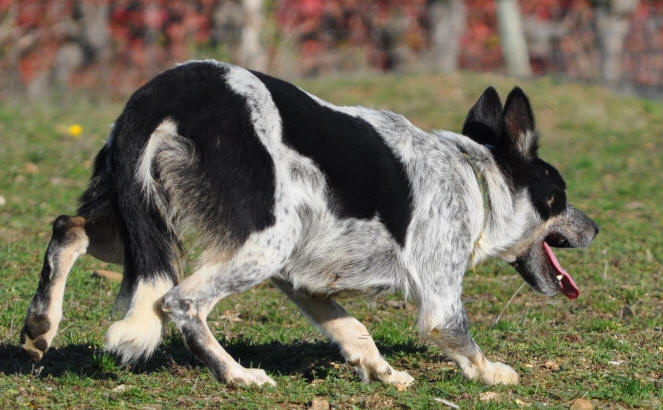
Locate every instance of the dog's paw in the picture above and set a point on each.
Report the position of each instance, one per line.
(36, 336)
(382, 372)
(498, 373)
(242, 376)
(398, 378)
(132, 339)
(33, 348)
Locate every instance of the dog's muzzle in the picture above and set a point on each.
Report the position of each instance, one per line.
(539, 265)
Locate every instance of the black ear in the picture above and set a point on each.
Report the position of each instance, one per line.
(519, 124)
(484, 120)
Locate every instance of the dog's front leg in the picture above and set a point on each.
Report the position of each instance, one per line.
(448, 326)
(352, 337)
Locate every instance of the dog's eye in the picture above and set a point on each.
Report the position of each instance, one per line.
(551, 200)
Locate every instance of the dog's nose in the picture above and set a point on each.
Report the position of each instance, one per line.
(596, 229)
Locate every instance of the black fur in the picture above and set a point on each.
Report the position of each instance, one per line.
(484, 120)
(365, 176)
(231, 185)
(487, 123)
(97, 201)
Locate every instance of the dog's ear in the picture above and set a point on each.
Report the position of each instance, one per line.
(484, 120)
(519, 126)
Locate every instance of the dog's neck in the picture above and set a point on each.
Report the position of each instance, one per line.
(485, 194)
(503, 222)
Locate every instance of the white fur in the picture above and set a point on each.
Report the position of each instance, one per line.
(66, 259)
(525, 142)
(167, 151)
(167, 129)
(52, 309)
(139, 333)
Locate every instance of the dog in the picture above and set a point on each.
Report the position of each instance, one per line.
(323, 200)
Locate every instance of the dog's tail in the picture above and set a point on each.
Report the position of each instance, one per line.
(129, 193)
(122, 198)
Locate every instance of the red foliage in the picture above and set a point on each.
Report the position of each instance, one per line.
(575, 52)
(480, 48)
(375, 27)
(146, 35)
(166, 27)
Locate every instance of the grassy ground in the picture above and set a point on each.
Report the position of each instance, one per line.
(607, 346)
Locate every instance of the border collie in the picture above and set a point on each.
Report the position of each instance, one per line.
(323, 200)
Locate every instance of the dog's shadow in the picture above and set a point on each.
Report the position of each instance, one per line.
(79, 359)
(309, 359)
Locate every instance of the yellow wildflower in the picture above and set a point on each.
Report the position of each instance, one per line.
(75, 130)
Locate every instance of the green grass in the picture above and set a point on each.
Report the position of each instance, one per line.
(608, 343)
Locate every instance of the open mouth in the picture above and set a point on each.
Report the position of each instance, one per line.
(564, 281)
(541, 269)
(539, 266)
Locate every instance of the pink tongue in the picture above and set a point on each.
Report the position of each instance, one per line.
(567, 285)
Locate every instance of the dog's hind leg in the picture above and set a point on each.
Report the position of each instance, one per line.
(68, 242)
(188, 304)
(150, 270)
(94, 230)
(352, 337)
(139, 333)
(72, 236)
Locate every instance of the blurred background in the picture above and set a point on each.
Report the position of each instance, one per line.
(111, 47)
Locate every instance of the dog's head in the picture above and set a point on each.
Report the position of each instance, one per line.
(510, 134)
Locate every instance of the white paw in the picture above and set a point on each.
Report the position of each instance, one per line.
(132, 339)
(498, 373)
(384, 373)
(399, 378)
(242, 376)
(139, 333)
